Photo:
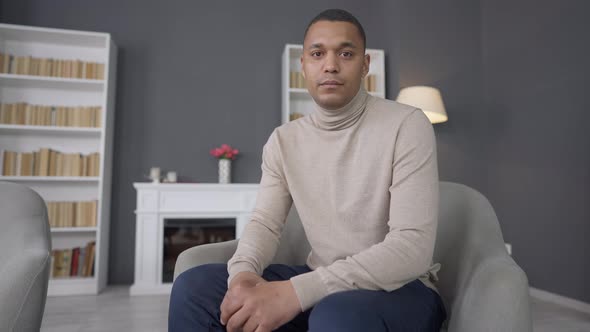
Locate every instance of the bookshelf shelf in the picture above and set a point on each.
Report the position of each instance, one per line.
(298, 102)
(27, 34)
(28, 129)
(45, 82)
(73, 285)
(73, 229)
(28, 142)
(50, 178)
(298, 90)
(80, 280)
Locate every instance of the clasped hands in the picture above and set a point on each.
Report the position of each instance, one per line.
(252, 304)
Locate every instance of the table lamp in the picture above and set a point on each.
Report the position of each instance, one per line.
(428, 99)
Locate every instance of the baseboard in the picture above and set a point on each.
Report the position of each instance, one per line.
(561, 300)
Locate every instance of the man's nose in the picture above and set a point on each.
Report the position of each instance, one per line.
(331, 64)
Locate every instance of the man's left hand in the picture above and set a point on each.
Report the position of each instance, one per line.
(262, 308)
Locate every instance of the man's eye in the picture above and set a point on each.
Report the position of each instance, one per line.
(316, 53)
(347, 54)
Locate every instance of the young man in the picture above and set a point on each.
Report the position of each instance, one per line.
(362, 173)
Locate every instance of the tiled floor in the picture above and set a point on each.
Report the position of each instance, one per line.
(115, 310)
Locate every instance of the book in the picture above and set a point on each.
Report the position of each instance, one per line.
(67, 262)
(93, 211)
(5, 63)
(59, 264)
(19, 160)
(89, 259)
(52, 264)
(44, 162)
(75, 258)
(81, 262)
(27, 164)
(9, 163)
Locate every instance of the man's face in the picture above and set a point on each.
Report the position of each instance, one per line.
(333, 63)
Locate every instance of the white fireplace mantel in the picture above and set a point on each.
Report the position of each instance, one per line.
(159, 201)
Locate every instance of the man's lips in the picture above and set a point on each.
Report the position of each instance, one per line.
(330, 83)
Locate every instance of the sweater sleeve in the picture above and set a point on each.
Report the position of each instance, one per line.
(260, 238)
(407, 250)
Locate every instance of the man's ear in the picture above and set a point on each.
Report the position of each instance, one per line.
(366, 64)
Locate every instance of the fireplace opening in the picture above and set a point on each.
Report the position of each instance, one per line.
(181, 234)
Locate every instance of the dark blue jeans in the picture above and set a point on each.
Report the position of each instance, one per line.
(197, 294)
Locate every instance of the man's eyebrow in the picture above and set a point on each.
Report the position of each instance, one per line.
(347, 44)
(342, 45)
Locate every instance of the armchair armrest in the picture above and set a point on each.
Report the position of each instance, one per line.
(219, 252)
(496, 297)
(23, 290)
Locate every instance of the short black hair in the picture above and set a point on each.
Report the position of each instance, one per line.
(338, 15)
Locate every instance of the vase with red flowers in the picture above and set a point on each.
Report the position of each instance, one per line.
(225, 154)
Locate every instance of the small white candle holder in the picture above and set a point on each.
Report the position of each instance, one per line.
(155, 174)
(171, 177)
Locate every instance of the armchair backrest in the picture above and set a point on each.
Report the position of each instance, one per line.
(481, 285)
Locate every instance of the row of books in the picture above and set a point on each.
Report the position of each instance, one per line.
(295, 116)
(39, 115)
(48, 162)
(73, 262)
(28, 65)
(370, 83)
(297, 81)
(72, 214)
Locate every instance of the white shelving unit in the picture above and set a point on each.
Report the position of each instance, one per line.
(298, 100)
(39, 90)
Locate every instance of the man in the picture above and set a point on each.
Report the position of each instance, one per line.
(362, 172)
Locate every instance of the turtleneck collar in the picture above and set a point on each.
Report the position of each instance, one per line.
(343, 117)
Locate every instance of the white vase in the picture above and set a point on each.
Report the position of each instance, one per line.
(224, 171)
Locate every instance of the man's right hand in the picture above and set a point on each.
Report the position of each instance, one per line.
(245, 279)
(234, 297)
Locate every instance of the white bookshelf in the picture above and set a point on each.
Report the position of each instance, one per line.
(39, 90)
(298, 99)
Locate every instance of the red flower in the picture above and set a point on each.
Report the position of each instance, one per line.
(224, 152)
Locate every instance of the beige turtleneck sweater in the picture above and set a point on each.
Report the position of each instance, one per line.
(364, 180)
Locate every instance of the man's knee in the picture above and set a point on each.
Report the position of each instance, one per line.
(411, 308)
(196, 296)
(342, 312)
(193, 282)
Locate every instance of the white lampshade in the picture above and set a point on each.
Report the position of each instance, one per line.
(426, 98)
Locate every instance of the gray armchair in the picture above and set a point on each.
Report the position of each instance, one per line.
(25, 257)
(482, 287)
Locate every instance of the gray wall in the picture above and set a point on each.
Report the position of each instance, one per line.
(193, 75)
(440, 45)
(536, 57)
